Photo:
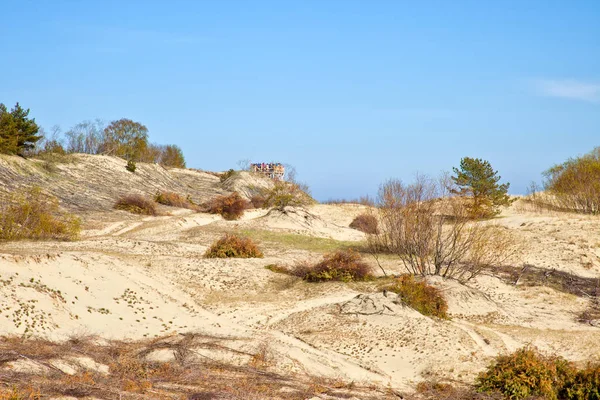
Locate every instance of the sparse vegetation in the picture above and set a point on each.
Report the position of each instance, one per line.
(573, 185)
(233, 246)
(172, 199)
(129, 373)
(366, 223)
(136, 204)
(230, 207)
(341, 265)
(226, 175)
(431, 232)
(32, 214)
(418, 294)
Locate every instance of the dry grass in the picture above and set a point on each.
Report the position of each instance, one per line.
(233, 246)
(32, 214)
(137, 204)
(132, 376)
(172, 199)
(341, 265)
(230, 207)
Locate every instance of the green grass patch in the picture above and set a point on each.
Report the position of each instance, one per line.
(301, 242)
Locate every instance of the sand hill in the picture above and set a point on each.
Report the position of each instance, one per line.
(134, 277)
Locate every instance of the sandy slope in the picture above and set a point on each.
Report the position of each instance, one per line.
(135, 277)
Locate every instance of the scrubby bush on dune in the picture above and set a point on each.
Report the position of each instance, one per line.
(527, 373)
(575, 184)
(230, 207)
(341, 265)
(174, 200)
(136, 204)
(31, 214)
(366, 223)
(417, 294)
(285, 194)
(226, 175)
(233, 246)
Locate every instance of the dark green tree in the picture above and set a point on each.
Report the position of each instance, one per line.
(126, 139)
(477, 180)
(18, 133)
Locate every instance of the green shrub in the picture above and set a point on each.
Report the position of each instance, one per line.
(230, 207)
(366, 223)
(31, 214)
(584, 385)
(417, 294)
(131, 166)
(172, 199)
(527, 373)
(136, 204)
(285, 194)
(341, 265)
(233, 246)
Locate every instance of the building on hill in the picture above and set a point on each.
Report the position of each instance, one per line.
(272, 170)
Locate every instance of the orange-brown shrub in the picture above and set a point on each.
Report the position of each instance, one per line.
(32, 214)
(341, 265)
(136, 204)
(233, 246)
(527, 373)
(417, 294)
(366, 223)
(230, 207)
(173, 199)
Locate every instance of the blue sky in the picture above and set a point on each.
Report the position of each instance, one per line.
(349, 92)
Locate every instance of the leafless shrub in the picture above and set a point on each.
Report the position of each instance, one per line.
(175, 200)
(431, 232)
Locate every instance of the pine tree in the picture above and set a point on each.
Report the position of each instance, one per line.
(477, 179)
(18, 133)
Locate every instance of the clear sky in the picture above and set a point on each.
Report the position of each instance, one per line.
(349, 92)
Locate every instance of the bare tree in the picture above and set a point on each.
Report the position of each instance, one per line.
(430, 230)
(85, 137)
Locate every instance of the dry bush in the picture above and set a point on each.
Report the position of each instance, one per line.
(230, 207)
(431, 231)
(233, 246)
(417, 294)
(341, 265)
(136, 204)
(366, 223)
(32, 214)
(575, 184)
(172, 199)
(258, 201)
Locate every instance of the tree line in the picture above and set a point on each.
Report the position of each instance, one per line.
(124, 138)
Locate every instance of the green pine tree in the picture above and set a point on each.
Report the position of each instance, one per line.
(477, 180)
(18, 133)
